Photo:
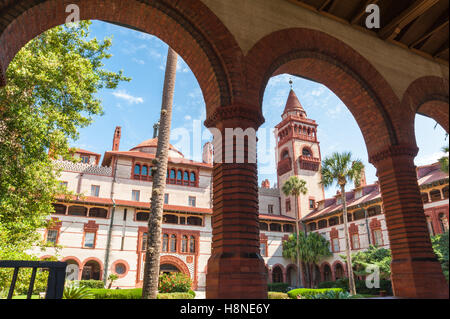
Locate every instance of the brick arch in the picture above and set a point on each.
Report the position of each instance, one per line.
(177, 262)
(93, 259)
(322, 271)
(184, 25)
(320, 57)
(429, 96)
(74, 259)
(333, 268)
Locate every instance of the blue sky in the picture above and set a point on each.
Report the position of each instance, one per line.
(135, 107)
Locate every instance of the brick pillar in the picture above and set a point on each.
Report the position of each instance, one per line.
(415, 270)
(236, 269)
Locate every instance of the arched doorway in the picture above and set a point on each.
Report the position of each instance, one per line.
(277, 274)
(339, 271)
(291, 276)
(91, 271)
(327, 274)
(168, 268)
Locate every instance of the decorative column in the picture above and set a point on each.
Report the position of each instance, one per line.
(236, 269)
(415, 270)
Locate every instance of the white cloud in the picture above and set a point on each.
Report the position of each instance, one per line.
(139, 61)
(121, 94)
(427, 159)
(187, 117)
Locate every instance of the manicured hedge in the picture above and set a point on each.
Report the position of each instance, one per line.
(307, 293)
(278, 287)
(96, 284)
(361, 288)
(175, 295)
(278, 295)
(136, 294)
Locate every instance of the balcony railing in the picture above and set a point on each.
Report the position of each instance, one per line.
(284, 166)
(56, 276)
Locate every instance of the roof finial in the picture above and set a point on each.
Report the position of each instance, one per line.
(290, 83)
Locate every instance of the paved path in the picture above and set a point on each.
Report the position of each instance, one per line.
(200, 295)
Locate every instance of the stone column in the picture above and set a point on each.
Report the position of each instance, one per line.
(415, 270)
(236, 269)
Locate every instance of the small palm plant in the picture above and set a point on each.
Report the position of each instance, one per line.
(72, 291)
(444, 160)
(341, 168)
(295, 186)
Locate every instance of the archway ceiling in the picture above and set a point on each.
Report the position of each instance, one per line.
(420, 25)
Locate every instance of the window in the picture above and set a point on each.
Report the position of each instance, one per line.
(192, 201)
(196, 221)
(186, 178)
(144, 241)
(184, 244)
(59, 209)
(312, 204)
(165, 245)
(89, 239)
(120, 269)
(306, 152)
(288, 228)
(377, 237)
(263, 226)
(137, 169)
(135, 195)
(335, 242)
(95, 190)
(193, 179)
(77, 210)
(285, 154)
(179, 177)
(52, 235)
(192, 244)
(355, 241)
(275, 227)
(98, 212)
(142, 216)
(270, 209)
(144, 170)
(263, 249)
(170, 219)
(166, 198)
(288, 205)
(173, 243)
(85, 159)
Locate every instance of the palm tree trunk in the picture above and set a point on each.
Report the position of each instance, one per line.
(151, 268)
(299, 265)
(351, 279)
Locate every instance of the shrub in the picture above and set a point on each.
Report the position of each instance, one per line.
(116, 293)
(361, 288)
(332, 294)
(192, 292)
(175, 295)
(74, 292)
(307, 293)
(174, 282)
(95, 284)
(278, 295)
(278, 287)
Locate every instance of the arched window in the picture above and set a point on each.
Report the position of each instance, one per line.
(435, 195)
(333, 221)
(165, 245)
(327, 275)
(277, 275)
(170, 219)
(98, 212)
(306, 152)
(275, 227)
(144, 170)
(288, 228)
(172, 177)
(77, 211)
(323, 224)
(186, 178)
(339, 271)
(59, 209)
(184, 244)
(312, 226)
(193, 179)
(196, 221)
(137, 169)
(263, 226)
(359, 214)
(192, 244)
(285, 154)
(173, 243)
(179, 178)
(142, 216)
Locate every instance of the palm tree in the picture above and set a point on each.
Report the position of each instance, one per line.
(317, 247)
(151, 267)
(295, 186)
(340, 168)
(444, 160)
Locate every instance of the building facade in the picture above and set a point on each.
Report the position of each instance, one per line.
(102, 229)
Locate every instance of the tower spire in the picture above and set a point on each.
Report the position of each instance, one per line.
(293, 105)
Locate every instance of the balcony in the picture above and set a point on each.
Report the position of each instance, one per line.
(284, 166)
(309, 163)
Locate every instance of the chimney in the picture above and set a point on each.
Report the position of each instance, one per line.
(116, 138)
(362, 180)
(265, 184)
(207, 156)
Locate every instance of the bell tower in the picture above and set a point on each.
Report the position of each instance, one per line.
(298, 154)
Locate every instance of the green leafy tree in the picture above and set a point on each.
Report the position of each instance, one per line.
(440, 246)
(317, 247)
(340, 168)
(294, 187)
(111, 279)
(378, 256)
(50, 93)
(444, 160)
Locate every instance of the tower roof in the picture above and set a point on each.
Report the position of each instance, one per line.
(294, 105)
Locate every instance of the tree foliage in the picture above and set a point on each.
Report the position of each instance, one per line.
(444, 160)
(50, 93)
(440, 246)
(377, 256)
